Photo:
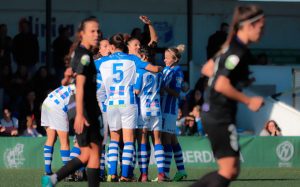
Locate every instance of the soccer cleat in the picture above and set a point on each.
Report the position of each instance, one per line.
(69, 178)
(124, 179)
(161, 177)
(143, 178)
(46, 181)
(112, 178)
(80, 176)
(180, 175)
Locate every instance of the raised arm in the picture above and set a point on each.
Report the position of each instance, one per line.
(153, 34)
(153, 68)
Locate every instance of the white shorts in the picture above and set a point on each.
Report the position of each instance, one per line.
(150, 122)
(122, 118)
(53, 116)
(169, 123)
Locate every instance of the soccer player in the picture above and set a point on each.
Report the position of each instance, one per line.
(104, 50)
(118, 72)
(147, 88)
(87, 110)
(55, 118)
(172, 81)
(228, 74)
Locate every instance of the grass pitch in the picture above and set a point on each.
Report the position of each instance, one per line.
(256, 177)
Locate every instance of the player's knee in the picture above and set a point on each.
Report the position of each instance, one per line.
(233, 173)
(84, 156)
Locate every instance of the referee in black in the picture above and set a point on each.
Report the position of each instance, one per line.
(228, 74)
(86, 125)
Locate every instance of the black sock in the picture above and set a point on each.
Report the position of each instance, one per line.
(69, 168)
(213, 179)
(93, 176)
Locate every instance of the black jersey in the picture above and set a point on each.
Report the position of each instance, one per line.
(82, 63)
(233, 64)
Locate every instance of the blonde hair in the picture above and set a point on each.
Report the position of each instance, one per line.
(177, 51)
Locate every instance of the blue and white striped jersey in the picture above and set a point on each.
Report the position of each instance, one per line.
(118, 73)
(149, 97)
(101, 93)
(61, 96)
(172, 78)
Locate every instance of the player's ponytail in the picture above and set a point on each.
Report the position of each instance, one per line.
(117, 40)
(242, 14)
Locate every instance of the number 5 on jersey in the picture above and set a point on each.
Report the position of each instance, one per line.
(118, 72)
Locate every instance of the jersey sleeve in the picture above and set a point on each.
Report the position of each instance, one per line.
(80, 63)
(139, 63)
(228, 64)
(159, 80)
(97, 65)
(139, 81)
(101, 94)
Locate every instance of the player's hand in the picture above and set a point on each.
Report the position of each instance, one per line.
(160, 69)
(255, 103)
(145, 20)
(14, 132)
(67, 76)
(2, 129)
(68, 72)
(143, 57)
(79, 123)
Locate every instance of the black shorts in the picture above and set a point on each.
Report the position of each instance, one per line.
(90, 134)
(222, 135)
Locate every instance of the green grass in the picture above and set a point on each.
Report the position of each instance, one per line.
(279, 177)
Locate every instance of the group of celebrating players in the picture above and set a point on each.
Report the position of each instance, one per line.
(138, 98)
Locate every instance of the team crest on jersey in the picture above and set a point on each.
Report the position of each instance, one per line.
(85, 60)
(231, 62)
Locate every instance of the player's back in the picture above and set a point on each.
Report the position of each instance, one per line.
(62, 93)
(149, 86)
(61, 96)
(118, 72)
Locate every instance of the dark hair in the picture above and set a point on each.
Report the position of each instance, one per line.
(62, 30)
(241, 14)
(24, 21)
(82, 24)
(131, 39)
(276, 125)
(145, 50)
(6, 107)
(136, 31)
(117, 40)
(223, 24)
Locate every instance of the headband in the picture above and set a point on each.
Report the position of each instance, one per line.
(251, 19)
